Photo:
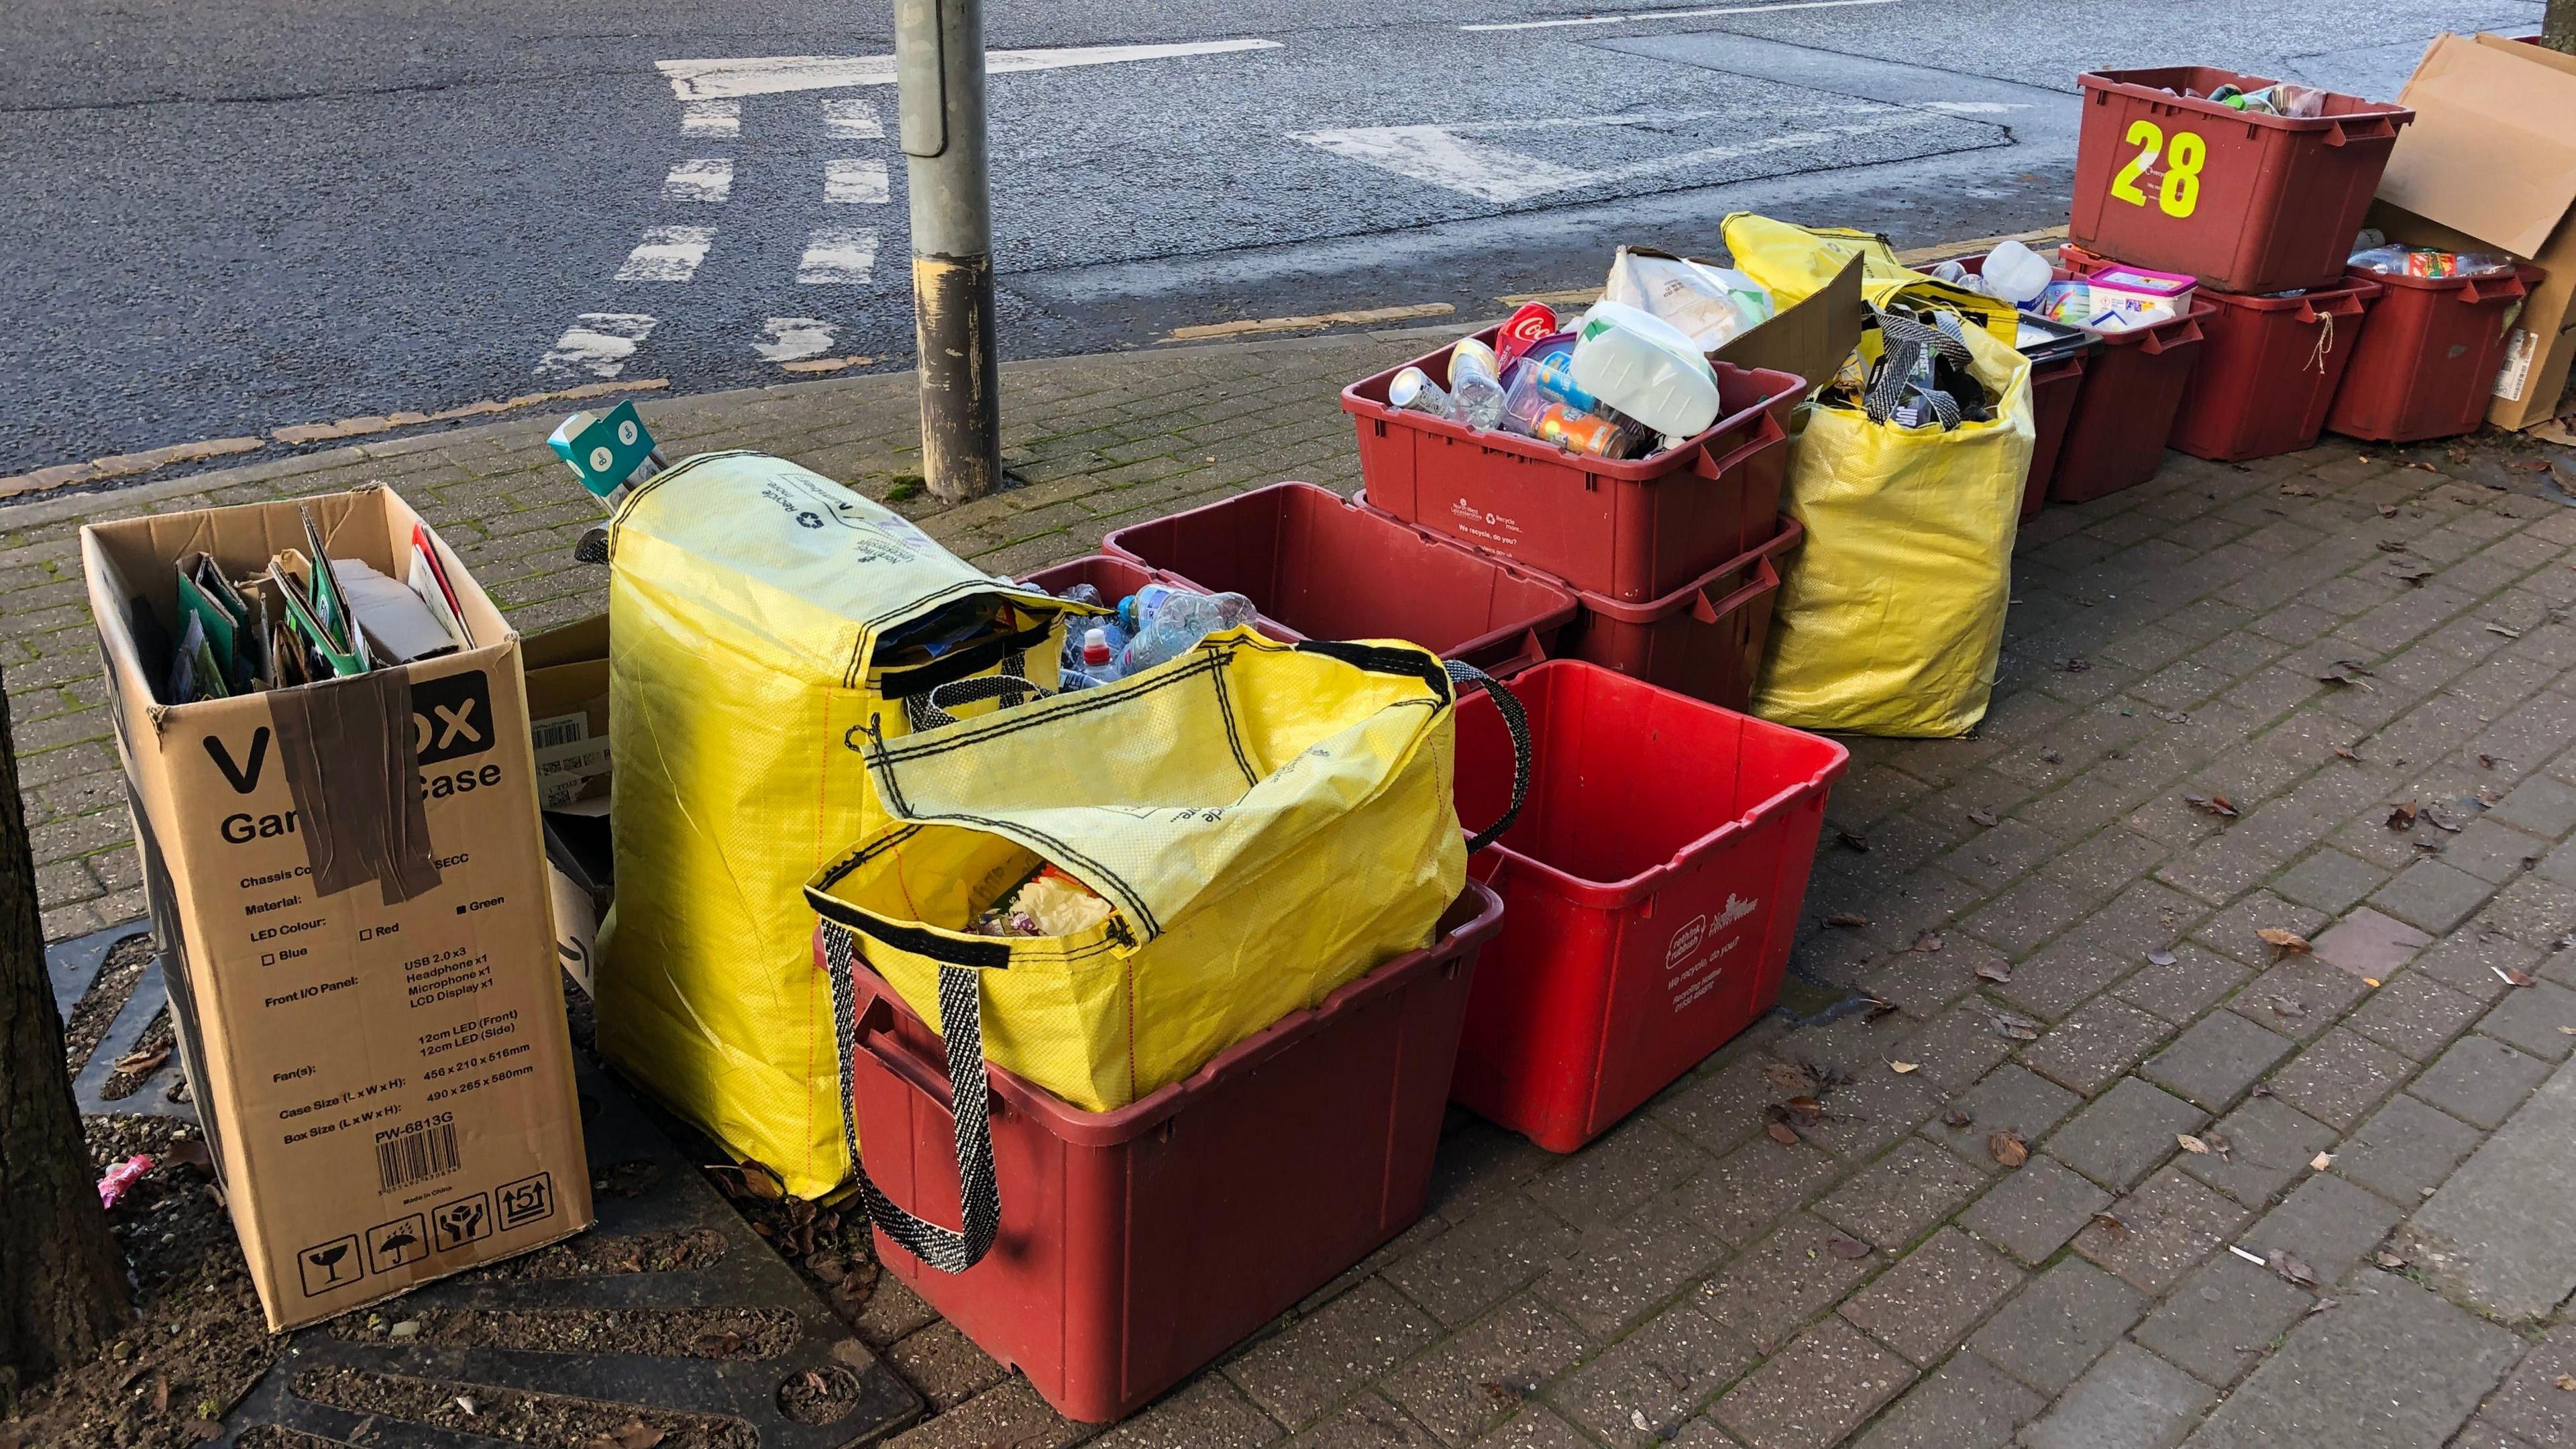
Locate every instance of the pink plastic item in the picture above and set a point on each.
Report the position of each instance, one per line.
(123, 1176)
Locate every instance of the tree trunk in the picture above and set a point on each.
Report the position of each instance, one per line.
(2558, 27)
(62, 1280)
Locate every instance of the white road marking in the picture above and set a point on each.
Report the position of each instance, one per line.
(667, 254)
(698, 80)
(860, 182)
(1444, 157)
(711, 118)
(597, 343)
(792, 339)
(1624, 18)
(853, 118)
(705, 179)
(838, 254)
(1975, 108)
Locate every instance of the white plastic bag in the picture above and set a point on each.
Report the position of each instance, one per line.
(1709, 305)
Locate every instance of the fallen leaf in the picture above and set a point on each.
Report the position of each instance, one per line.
(2050, 757)
(2111, 1225)
(1954, 1119)
(2392, 545)
(2566, 1382)
(2076, 666)
(2017, 1033)
(2283, 1006)
(2290, 1268)
(1790, 1077)
(2161, 958)
(189, 1152)
(2567, 1031)
(722, 1344)
(1878, 1010)
(1995, 971)
(636, 1434)
(2344, 672)
(2191, 1144)
(1851, 841)
(1901, 1068)
(2401, 816)
(2298, 490)
(1808, 1107)
(2258, 1090)
(2219, 1143)
(1981, 816)
(2501, 629)
(2515, 978)
(2321, 1161)
(758, 1181)
(143, 1062)
(1927, 941)
(2344, 752)
(1847, 1247)
(2413, 578)
(2436, 819)
(2486, 762)
(2008, 1148)
(2370, 981)
(2388, 1260)
(2389, 510)
(2218, 805)
(2169, 716)
(2290, 942)
(1847, 920)
(1782, 1133)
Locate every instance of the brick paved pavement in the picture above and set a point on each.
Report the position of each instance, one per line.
(1675, 1281)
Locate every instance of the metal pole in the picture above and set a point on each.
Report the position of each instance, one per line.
(939, 67)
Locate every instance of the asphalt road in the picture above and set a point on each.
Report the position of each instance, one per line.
(227, 216)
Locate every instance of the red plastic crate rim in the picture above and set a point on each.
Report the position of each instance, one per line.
(1809, 763)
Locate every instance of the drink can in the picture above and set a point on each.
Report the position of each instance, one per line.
(1533, 321)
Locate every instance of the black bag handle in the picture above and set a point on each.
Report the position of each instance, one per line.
(1516, 721)
(961, 1028)
(929, 711)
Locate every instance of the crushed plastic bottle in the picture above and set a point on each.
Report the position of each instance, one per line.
(2014, 273)
(1476, 381)
(1179, 624)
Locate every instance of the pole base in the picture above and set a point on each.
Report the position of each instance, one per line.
(961, 400)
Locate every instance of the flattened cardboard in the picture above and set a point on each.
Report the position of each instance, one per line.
(568, 678)
(2490, 164)
(1810, 339)
(351, 904)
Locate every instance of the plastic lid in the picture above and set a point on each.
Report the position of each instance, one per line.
(1095, 646)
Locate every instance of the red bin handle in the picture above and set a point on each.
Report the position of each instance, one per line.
(1764, 436)
(2360, 128)
(2157, 342)
(1765, 579)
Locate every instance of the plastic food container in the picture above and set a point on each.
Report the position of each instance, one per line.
(1137, 1245)
(1651, 890)
(2268, 370)
(2244, 202)
(2426, 365)
(1633, 530)
(1318, 567)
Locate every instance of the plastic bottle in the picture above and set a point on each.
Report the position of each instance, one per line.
(2016, 274)
(1476, 380)
(1099, 658)
(1413, 389)
(1137, 609)
(1178, 626)
(1646, 369)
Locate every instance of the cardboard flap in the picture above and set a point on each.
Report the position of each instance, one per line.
(1809, 340)
(2492, 151)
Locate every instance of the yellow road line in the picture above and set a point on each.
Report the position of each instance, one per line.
(1248, 326)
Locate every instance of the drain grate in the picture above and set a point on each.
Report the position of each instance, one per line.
(670, 1312)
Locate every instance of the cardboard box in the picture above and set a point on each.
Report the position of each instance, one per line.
(2490, 164)
(1810, 337)
(351, 903)
(568, 720)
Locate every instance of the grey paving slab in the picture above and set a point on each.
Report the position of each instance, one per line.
(2058, 1325)
(2480, 1080)
(2539, 1019)
(2327, 1223)
(2130, 1400)
(2505, 1223)
(2392, 1367)
(2216, 1059)
(1967, 1404)
(2125, 1133)
(2221, 1320)
(2032, 1211)
(2405, 1150)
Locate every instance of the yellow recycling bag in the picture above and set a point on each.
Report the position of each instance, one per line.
(750, 607)
(1891, 621)
(1794, 261)
(1266, 823)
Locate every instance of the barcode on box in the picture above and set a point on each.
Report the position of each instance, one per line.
(416, 1154)
(563, 729)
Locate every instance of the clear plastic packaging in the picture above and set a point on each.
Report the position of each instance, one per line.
(1711, 306)
(2014, 273)
(1180, 623)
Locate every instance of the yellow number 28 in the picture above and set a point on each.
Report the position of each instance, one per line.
(2179, 195)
